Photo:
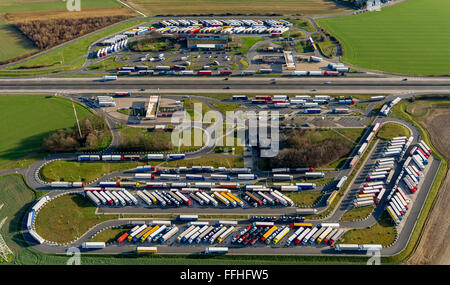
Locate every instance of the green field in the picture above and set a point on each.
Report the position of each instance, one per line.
(109, 235)
(23, 125)
(66, 58)
(382, 232)
(304, 199)
(62, 170)
(407, 38)
(67, 217)
(391, 130)
(357, 213)
(13, 43)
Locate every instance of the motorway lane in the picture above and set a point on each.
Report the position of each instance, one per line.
(232, 85)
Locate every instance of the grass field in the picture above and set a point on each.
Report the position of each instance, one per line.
(105, 64)
(66, 58)
(23, 125)
(62, 170)
(215, 161)
(67, 217)
(109, 235)
(13, 43)
(304, 199)
(357, 213)
(391, 130)
(252, 7)
(408, 38)
(383, 232)
(16, 197)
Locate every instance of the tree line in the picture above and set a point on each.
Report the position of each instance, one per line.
(301, 151)
(94, 135)
(48, 33)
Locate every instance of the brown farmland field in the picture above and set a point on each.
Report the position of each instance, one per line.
(235, 7)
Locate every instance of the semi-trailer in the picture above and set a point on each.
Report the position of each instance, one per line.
(241, 170)
(226, 223)
(331, 198)
(268, 233)
(314, 175)
(268, 199)
(222, 199)
(204, 234)
(92, 197)
(316, 235)
(216, 250)
(100, 197)
(146, 250)
(301, 237)
(254, 198)
(305, 211)
(328, 237)
(170, 233)
(363, 203)
(93, 245)
(294, 236)
(309, 235)
(281, 235)
(225, 234)
(282, 196)
(221, 230)
(336, 237)
(304, 186)
(197, 233)
(394, 217)
(347, 247)
(341, 182)
(247, 177)
(220, 177)
(30, 219)
(187, 231)
(304, 225)
(326, 232)
(150, 233)
(194, 177)
(282, 177)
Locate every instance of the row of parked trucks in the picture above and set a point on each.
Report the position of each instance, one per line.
(386, 108)
(130, 157)
(118, 46)
(261, 29)
(365, 143)
(177, 197)
(168, 70)
(397, 147)
(411, 174)
(31, 218)
(224, 22)
(182, 26)
(197, 232)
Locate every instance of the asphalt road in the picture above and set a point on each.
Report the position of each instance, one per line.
(232, 85)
